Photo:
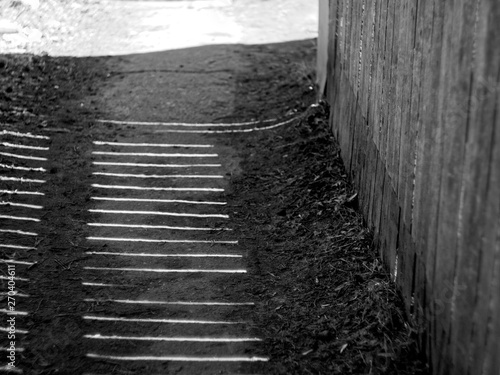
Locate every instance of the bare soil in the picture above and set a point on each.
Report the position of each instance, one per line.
(327, 306)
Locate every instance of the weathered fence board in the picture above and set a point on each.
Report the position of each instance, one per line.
(415, 106)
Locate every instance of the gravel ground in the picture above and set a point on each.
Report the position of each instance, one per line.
(49, 25)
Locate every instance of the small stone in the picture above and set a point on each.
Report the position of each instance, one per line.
(34, 36)
(16, 39)
(33, 4)
(8, 27)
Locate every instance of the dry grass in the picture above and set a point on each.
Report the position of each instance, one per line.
(331, 307)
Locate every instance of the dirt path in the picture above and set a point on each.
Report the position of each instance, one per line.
(171, 246)
(160, 229)
(127, 261)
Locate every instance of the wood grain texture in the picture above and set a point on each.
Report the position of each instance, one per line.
(415, 105)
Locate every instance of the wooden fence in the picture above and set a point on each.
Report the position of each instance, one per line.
(414, 89)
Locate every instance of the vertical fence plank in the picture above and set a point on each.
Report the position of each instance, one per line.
(367, 56)
(427, 165)
(489, 362)
(475, 209)
(410, 280)
(388, 110)
(404, 97)
(322, 57)
(364, 100)
(487, 356)
(399, 71)
(486, 350)
(355, 38)
(404, 150)
(377, 74)
(457, 63)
